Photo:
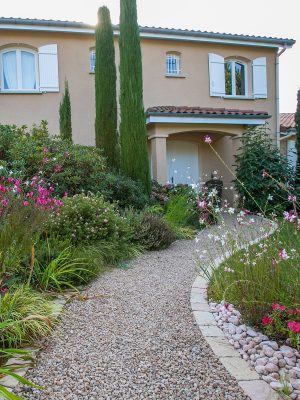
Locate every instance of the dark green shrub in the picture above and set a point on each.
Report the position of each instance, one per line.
(87, 219)
(65, 118)
(262, 174)
(122, 189)
(297, 121)
(151, 231)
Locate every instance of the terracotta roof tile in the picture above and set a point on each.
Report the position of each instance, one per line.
(184, 110)
(287, 121)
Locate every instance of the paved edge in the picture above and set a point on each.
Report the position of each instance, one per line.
(8, 381)
(247, 378)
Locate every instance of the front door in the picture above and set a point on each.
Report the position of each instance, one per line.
(183, 162)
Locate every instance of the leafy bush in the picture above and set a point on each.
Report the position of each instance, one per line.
(24, 316)
(262, 175)
(122, 189)
(151, 231)
(86, 219)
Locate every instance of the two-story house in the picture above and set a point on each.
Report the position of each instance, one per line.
(195, 84)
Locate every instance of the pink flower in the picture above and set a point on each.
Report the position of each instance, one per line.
(283, 254)
(3, 290)
(45, 150)
(202, 204)
(292, 198)
(277, 306)
(265, 174)
(57, 168)
(266, 320)
(25, 203)
(207, 139)
(10, 179)
(66, 194)
(45, 160)
(294, 326)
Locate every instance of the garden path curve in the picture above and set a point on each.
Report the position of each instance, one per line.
(139, 342)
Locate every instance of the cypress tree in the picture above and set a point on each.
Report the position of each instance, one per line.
(297, 121)
(65, 120)
(105, 90)
(133, 135)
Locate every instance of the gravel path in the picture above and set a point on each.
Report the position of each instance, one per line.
(140, 342)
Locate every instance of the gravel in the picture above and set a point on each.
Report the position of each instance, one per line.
(138, 342)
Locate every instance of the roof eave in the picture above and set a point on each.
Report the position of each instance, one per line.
(207, 115)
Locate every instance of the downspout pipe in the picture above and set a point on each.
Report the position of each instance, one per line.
(277, 94)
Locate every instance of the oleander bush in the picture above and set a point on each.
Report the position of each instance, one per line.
(70, 168)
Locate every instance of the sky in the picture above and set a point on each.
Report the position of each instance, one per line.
(278, 18)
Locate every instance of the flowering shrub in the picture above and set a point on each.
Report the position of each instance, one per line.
(282, 322)
(24, 207)
(87, 219)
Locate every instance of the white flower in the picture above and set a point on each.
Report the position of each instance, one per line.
(230, 210)
(270, 197)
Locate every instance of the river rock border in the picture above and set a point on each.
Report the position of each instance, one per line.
(247, 378)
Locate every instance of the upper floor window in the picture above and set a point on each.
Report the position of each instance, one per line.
(235, 78)
(173, 64)
(23, 70)
(229, 78)
(19, 70)
(92, 60)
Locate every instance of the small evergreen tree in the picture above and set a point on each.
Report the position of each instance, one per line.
(260, 168)
(133, 135)
(105, 89)
(65, 122)
(297, 121)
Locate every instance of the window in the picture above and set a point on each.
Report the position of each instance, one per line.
(228, 78)
(92, 60)
(19, 70)
(23, 70)
(173, 66)
(235, 78)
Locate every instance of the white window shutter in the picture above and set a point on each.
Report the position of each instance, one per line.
(216, 75)
(259, 70)
(48, 67)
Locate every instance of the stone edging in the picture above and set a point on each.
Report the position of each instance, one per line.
(247, 378)
(9, 382)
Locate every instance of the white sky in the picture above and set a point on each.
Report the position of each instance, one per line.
(279, 18)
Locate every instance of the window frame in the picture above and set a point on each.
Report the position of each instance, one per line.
(233, 62)
(177, 57)
(18, 51)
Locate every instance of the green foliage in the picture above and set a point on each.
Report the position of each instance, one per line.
(262, 175)
(24, 316)
(65, 119)
(107, 137)
(181, 210)
(255, 278)
(87, 219)
(134, 153)
(123, 190)
(61, 272)
(151, 231)
(297, 121)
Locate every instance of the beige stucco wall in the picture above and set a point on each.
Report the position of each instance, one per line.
(73, 58)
